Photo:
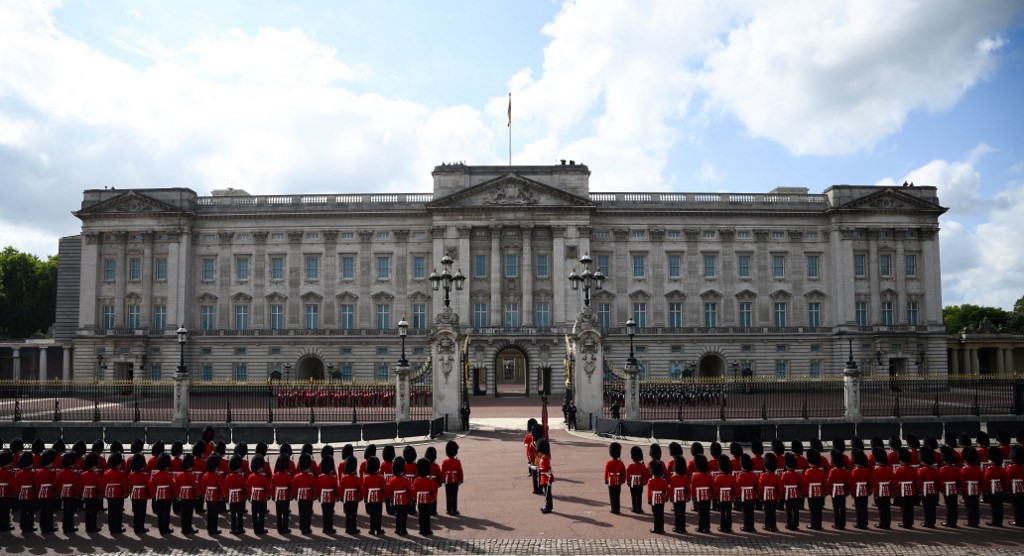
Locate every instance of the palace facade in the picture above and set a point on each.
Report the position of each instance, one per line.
(782, 284)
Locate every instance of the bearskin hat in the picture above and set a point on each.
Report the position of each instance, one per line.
(242, 449)
(814, 457)
(537, 433)
(157, 448)
(1003, 438)
(6, 457)
(904, 455)
(326, 451)
(137, 463)
(257, 463)
(771, 464)
(970, 456)
(47, 458)
(839, 444)
(735, 449)
(207, 435)
(388, 453)
(369, 452)
(235, 463)
(213, 463)
(790, 460)
(347, 451)
(796, 447)
(879, 456)
(746, 462)
(679, 465)
(636, 453)
(674, 449)
(757, 448)
(995, 457)
(696, 449)
(261, 448)
(58, 446)
(430, 454)
(98, 446)
(724, 464)
(423, 467)
(137, 445)
(285, 449)
(198, 449)
(221, 448)
(817, 445)
(544, 447)
(305, 462)
(983, 439)
(657, 468)
(163, 462)
(876, 442)
(701, 463)
(188, 462)
(115, 460)
(398, 466)
(25, 461)
(778, 447)
(615, 450)
(894, 442)
(931, 442)
(17, 445)
(913, 443)
(715, 450)
(857, 443)
(948, 455)
(860, 458)
(409, 453)
(927, 456)
(654, 451)
(282, 464)
(38, 446)
(451, 449)
(838, 461)
(530, 425)
(327, 465)
(69, 459)
(1017, 454)
(372, 465)
(92, 459)
(117, 448)
(351, 465)
(177, 448)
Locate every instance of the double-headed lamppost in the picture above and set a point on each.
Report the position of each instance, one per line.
(587, 279)
(446, 279)
(181, 402)
(402, 409)
(632, 372)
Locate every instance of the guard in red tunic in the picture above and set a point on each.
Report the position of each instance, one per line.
(387, 456)
(768, 492)
(214, 492)
(235, 485)
(257, 490)
(162, 482)
(679, 491)
(281, 485)
(303, 484)
(657, 495)
(724, 492)
(860, 487)
(452, 475)
(614, 475)
(836, 486)
(91, 482)
(1015, 476)
(198, 470)
(547, 476)
(139, 489)
(746, 491)
(25, 487)
(949, 484)
(905, 488)
(425, 491)
(115, 489)
(185, 493)
(6, 489)
(881, 485)
(46, 491)
(971, 485)
(409, 455)
(637, 475)
(815, 480)
(701, 484)
(351, 489)
(995, 483)
(327, 492)
(399, 491)
(791, 484)
(928, 486)
(373, 490)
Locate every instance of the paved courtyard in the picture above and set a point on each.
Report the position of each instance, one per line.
(500, 515)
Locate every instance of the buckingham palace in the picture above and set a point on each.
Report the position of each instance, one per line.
(782, 283)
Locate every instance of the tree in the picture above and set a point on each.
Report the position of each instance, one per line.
(958, 317)
(28, 293)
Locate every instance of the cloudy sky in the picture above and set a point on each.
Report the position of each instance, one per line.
(336, 96)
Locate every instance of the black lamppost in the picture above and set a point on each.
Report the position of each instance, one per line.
(631, 331)
(446, 279)
(735, 370)
(288, 372)
(182, 339)
(403, 331)
(588, 279)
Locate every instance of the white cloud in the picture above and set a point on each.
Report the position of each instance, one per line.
(838, 77)
(708, 173)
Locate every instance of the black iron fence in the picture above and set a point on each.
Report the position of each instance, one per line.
(210, 402)
(820, 398)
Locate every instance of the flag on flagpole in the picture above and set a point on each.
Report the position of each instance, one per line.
(510, 110)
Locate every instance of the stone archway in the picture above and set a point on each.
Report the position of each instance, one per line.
(511, 371)
(310, 367)
(711, 365)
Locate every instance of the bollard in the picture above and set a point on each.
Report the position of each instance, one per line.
(56, 411)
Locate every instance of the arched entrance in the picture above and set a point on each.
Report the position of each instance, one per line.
(310, 368)
(711, 366)
(511, 364)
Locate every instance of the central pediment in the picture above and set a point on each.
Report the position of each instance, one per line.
(890, 200)
(129, 203)
(510, 191)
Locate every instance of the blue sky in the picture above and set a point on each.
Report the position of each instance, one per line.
(677, 95)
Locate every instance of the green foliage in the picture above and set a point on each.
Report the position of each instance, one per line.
(958, 317)
(28, 293)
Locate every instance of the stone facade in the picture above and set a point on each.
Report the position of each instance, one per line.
(777, 282)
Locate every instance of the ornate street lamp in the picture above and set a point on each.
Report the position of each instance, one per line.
(182, 340)
(446, 279)
(403, 331)
(631, 331)
(588, 279)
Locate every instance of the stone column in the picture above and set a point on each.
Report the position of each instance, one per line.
(588, 372)
(632, 409)
(92, 266)
(16, 363)
(1000, 360)
(121, 280)
(899, 274)
(954, 360)
(558, 279)
(366, 314)
(463, 261)
(43, 362)
(446, 354)
(1008, 365)
(975, 364)
(873, 278)
(66, 366)
(851, 389)
(146, 305)
(181, 404)
(402, 411)
(527, 311)
(495, 312)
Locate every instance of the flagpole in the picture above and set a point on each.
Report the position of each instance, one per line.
(510, 129)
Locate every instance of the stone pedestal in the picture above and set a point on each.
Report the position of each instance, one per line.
(180, 418)
(446, 355)
(588, 370)
(632, 392)
(851, 392)
(402, 412)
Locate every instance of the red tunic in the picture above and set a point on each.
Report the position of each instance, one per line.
(768, 487)
(92, 484)
(374, 489)
(928, 480)
(949, 480)
(162, 483)
(995, 480)
(837, 481)
(234, 485)
(69, 484)
(544, 468)
(791, 484)
(138, 486)
(614, 472)
(425, 490)
(970, 483)
(303, 486)
(185, 486)
(350, 488)
(881, 481)
(114, 481)
(451, 471)
(281, 487)
(724, 487)
(637, 474)
(814, 482)
(746, 486)
(25, 484)
(860, 482)
(257, 487)
(679, 487)
(1015, 478)
(46, 484)
(657, 491)
(700, 486)
(7, 483)
(213, 487)
(904, 481)
(399, 491)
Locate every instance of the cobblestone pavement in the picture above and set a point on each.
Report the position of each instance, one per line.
(500, 515)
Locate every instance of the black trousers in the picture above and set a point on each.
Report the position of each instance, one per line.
(237, 511)
(92, 511)
(659, 517)
(306, 516)
(704, 515)
(451, 498)
(212, 515)
(971, 505)
(907, 504)
(839, 512)
(860, 510)
(770, 521)
(636, 497)
(1017, 502)
(187, 509)
(929, 504)
(281, 513)
(351, 510)
(952, 510)
(70, 507)
(793, 513)
(615, 496)
(259, 517)
(5, 514)
(115, 514)
(425, 520)
(163, 515)
(815, 506)
(47, 509)
(28, 515)
(375, 512)
(748, 514)
(725, 516)
(139, 516)
(401, 518)
(996, 500)
(679, 511)
(547, 497)
(884, 506)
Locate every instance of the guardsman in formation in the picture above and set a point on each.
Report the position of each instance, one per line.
(906, 491)
(399, 491)
(679, 488)
(234, 483)
(214, 492)
(657, 495)
(547, 477)
(373, 490)
(791, 484)
(814, 485)
(425, 490)
(451, 472)
(928, 486)
(881, 484)
(327, 490)
(91, 479)
(6, 489)
(949, 483)
(768, 492)
(701, 484)
(614, 475)
(746, 487)
(257, 490)
(971, 485)
(185, 493)
(46, 491)
(25, 486)
(1015, 476)
(303, 485)
(724, 492)
(530, 446)
(837, 480)
(995, 484)
(198, 470)
(69, 487)
(351, 493)
(114, 491)
(860, 485)
(281, 483)
(637, 476)
(162, 483)
(409, 455)
(435, 474)
(387, 456)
